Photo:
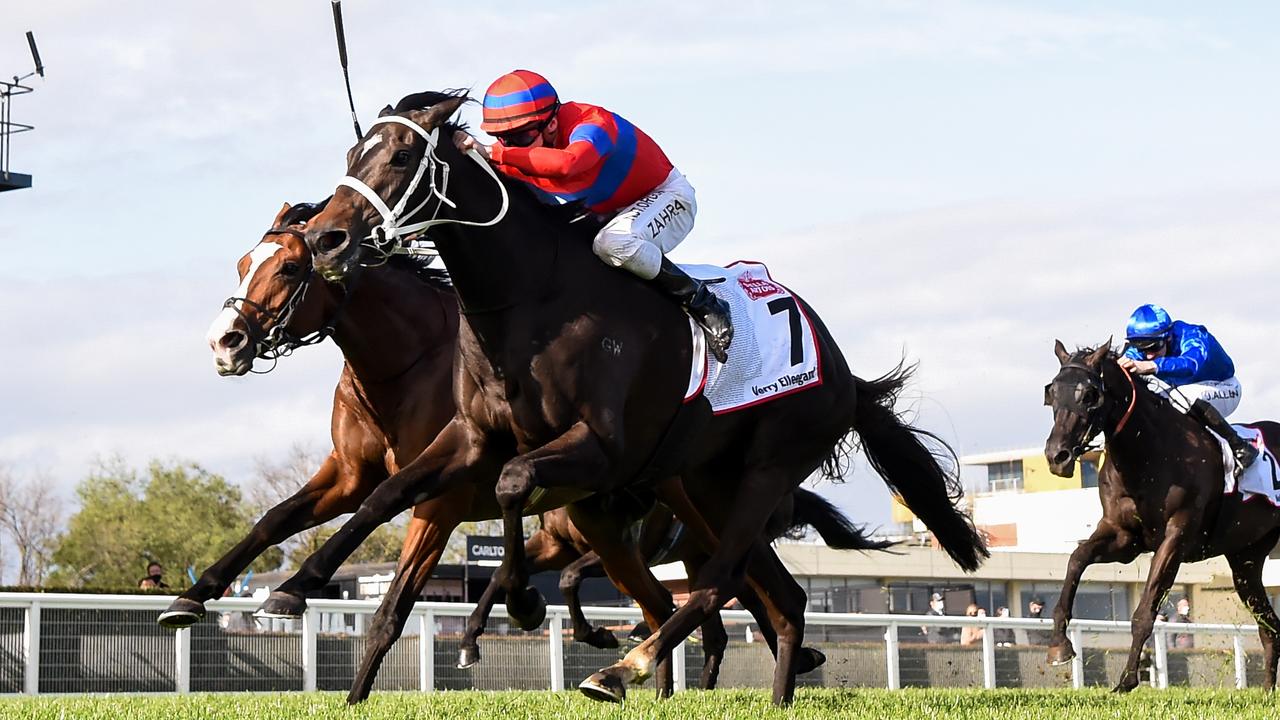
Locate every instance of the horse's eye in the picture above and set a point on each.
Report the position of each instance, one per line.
(1090, 397)
(290, 268)
(400, 158)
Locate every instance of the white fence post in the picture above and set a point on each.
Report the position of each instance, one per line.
(891, 656)
(1237, 650)
(182, 661)
(677, 667)
(31, 649)
(427, 651)
(310, 619)
(1161, 658)
(988, 656)
(555, 650)
(1077, 661)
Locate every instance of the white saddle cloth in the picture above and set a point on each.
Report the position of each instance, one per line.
(773, 353)
(1262, 478)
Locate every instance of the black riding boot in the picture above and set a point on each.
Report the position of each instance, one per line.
(709, 311)
(1207, 414)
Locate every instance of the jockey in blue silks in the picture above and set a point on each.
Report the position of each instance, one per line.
(1189, 358)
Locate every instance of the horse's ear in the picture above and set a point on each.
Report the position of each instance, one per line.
(385, 111)
(438, 113)
(1061, 351)
(1095, 357)
(284, 210)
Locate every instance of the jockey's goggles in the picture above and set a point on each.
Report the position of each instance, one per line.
(1148, 344)
(526, 136)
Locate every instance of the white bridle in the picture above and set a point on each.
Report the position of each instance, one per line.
(395, 223)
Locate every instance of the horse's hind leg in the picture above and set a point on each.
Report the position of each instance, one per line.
(332, 491)
(571, 578)
(714, 640)
(1246, 572)
(424, 542)
(627, 571)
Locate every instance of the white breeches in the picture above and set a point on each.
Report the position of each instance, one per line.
(1223, 395)
(647, 229)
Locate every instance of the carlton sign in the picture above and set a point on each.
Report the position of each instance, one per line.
(485, 550)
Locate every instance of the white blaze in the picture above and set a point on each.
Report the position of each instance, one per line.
(226, 319)
(371, 143)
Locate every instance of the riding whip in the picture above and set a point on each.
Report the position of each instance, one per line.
(342, 57)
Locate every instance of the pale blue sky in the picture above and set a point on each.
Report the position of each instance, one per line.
(920, 171)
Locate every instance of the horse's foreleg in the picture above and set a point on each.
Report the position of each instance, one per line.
(576, 454)
(542, 552)
(451, 460)
(1106, 544)
(1164, 568)
(424, 541)
(1246, 573)
(331, 492)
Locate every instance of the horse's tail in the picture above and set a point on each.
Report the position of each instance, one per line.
(918, 466)
(837, 530)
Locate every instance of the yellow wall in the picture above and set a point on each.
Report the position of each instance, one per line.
(1037, 478)
(899, 512)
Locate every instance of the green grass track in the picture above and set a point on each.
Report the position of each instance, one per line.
(818, 704)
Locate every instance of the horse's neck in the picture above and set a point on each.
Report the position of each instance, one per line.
(1151, 423)
(498, 267)
(392, 321)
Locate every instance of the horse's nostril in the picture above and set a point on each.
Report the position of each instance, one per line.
(232, 340)
(1062, 457)
(331, 241)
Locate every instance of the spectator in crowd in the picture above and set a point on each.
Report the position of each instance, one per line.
(1036, 637)
(154, 578)
(972, 635)
(934, 633)
(1003, 636)
(1183, 615)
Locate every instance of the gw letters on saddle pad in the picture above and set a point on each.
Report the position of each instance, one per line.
(773, 352)
(1260, 478)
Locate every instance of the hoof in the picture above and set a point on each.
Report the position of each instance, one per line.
(809, 659)
(282, 605)
(605, 688)
(601, 638)
(1061, 654)
(1124, 687)
(639, 633)
(531, 611)
(182, 613)
(468, 657)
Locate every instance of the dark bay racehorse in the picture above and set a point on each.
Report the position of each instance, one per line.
(1162, 491)
(569, 382)
(397, 330)
(660, 538)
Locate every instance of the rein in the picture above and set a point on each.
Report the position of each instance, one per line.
(278, 342)
(395, 220)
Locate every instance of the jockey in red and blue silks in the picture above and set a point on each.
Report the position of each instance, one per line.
(585, 153)
(1188, 357)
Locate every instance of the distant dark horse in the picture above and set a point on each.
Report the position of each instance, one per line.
(661, 538)
(569, 381)
(1162, 492)
(397, 330)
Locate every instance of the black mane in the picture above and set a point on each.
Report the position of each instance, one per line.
(1139, 384)
(420, 267)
